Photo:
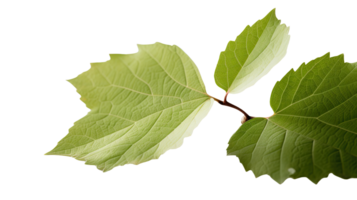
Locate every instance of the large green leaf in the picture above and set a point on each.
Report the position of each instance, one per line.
(314, 129)
(255, 51)
(141, 105)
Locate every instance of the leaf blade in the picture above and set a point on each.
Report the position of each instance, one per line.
(255, 51)
(315, 107)
(141, 105)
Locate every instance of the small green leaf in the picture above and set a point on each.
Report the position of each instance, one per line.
(141, 105)
(256, 50)
(314, 129)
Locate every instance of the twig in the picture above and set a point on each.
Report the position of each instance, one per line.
(226, 103)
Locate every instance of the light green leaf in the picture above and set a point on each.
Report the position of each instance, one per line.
(314, 129)
(141, 105)
(256, 50)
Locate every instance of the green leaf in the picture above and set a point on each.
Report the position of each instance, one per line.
(314, 129)
(256, 50)
(141, 105)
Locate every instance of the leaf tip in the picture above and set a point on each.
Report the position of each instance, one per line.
(46, 153)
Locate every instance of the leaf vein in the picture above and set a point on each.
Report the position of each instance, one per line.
(149, 116)
(292, 100)
(126, 65)
(170, 75)
(326, 76)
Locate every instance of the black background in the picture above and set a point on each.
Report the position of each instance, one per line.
(202, 35)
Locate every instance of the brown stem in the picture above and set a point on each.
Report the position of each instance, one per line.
(226, 103)
(225, 97)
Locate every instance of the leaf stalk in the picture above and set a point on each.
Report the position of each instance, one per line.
(226, 103)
